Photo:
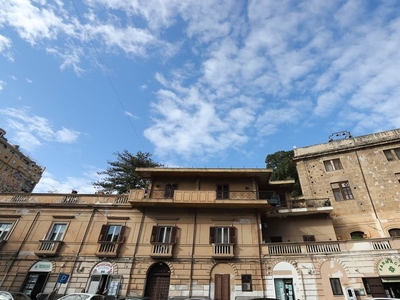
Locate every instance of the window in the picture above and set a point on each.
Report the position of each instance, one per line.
(397, 176)
(357, 235)
(392, 154)
(367, 286)
(394, 232)
(169, 190)
(341, 191)
(222, 235)
(309, 238)
(164, 234)
(246, 283)
(112, 233)
(336, 287)
(57, 232)
(276, 239)
(333, 164)
(4, 230)
(223, 191)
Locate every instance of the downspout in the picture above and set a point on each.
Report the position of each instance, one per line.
(20, 247)
(192, 255)
(258, 217)
(81, 245)
(136, 248)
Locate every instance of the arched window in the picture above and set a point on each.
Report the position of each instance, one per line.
(357, 235)
(394, 232)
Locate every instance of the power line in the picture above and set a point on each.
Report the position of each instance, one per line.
(108, 76)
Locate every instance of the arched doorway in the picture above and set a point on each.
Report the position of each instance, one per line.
(36, 279)
(157, 283)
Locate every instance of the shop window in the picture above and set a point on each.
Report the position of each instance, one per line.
(222, 235)
(5, 229)
(342, 191)
(332, 165)
(246, 283)
(392, 154)
(394, 232)
(223, 191)
(357, 235)
(57, 232)
(112, 233)
(275, 239)
(336, 287)
(309, 238)
(164, 234)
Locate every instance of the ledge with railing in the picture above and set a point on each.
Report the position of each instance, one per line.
(48, 248)
(222, 251)
(163, 250)
(108, 249)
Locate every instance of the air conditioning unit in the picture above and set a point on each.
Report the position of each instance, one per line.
(246, 286)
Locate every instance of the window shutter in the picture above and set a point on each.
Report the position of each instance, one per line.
(232, 235)
(154, 234)
(103, 233)
(173, 234)
(212, 235)
(121, 236)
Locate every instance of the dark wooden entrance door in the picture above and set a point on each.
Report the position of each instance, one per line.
(222, 287)
(157, 284)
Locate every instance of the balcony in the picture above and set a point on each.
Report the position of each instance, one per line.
(161, 250)
(108, 249)
(260, 199)
(303, 207)
(222, 251)
(48, 248)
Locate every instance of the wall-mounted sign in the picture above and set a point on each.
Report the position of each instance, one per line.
(389, 267)
(103, 268)
(42, 266)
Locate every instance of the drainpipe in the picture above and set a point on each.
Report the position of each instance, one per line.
(258, 217)
(136, 248)
(81, 245)
(20, 247)
(192, 255)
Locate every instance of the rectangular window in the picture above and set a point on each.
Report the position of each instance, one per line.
(164, 234)
(57, 232)
(397, 176)
(170, 189)
(246, 283)
(309, 238)
(333, 164)
(112, 233)
(5, 228)
(341, 191)
(222, 235)
(223, 191)
(276, 239)
(336, 287)
(392, 154)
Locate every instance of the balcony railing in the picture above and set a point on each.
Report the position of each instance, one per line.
(108, 249)
(163, 250)
(308, 203)
(222, 251)
(48, 248)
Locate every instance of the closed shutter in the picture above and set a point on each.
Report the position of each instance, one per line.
(154, 232)
(121, 235)
(212, 235)
(103, 233)
(376, 287)
(173, 234)
(232, 235)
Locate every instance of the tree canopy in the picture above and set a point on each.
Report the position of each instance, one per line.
(281, 162)
(121, 175)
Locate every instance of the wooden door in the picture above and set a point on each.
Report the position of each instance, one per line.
(222, 287)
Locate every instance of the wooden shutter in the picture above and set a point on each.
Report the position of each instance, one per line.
(174, 230)
(154, 232)
(121, 236)
(232, 235)
(103, 233)
(212, 235)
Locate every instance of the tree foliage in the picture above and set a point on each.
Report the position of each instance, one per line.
(281, 162)
(121, 175)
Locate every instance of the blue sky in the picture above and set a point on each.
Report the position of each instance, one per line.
(196, 83)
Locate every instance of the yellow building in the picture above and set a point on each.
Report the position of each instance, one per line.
(226, 234)
(18, 173)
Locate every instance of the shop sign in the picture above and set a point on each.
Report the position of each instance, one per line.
(103, 268)
(389, 267)
(42, 266)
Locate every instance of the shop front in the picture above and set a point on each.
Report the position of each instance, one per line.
(36, 279)
(103, 280)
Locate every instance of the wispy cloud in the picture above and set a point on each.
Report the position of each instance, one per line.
(30, 131)
(29, 80)
(2, 84)
(129, 114)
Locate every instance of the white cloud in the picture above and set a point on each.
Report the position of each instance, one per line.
(129, 114)
(2, 84)
(31, 131)
(5, 45)
(29, 80)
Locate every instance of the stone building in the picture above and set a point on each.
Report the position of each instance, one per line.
(18, 173)
(226, 234)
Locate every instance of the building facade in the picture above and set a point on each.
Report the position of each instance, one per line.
(18, 173)
(226, 234)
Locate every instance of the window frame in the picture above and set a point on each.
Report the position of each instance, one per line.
(246, 280)
(160, 231)
(170, 190)
(333, 164)
(104, 233)
(336, 286)
(57, 232)
(341, 192)
(392, 154)
(4, 235)
(222, 191)
(357, 235)
(394, 230)
(218, 237)
(309, 238)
